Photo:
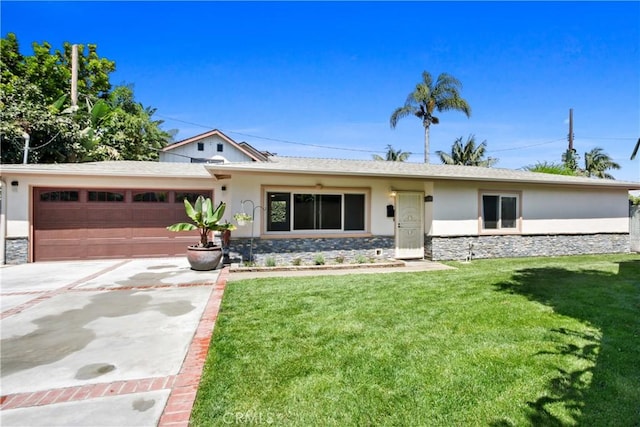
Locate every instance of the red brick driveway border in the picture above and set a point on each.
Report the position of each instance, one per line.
(183, 394)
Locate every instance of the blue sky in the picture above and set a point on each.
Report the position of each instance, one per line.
(293, 77)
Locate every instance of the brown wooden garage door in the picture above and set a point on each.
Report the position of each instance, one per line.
(74, 223)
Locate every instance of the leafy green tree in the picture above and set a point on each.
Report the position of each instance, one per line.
(552, 168)
(11, 61)
(129, 128)
(393, 155)
(597, 163)
(467, 154)
(106, 124)
(429, 97)
(52, 137)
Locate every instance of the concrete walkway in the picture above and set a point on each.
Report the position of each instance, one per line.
(104, 343)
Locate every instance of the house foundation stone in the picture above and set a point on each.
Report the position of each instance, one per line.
(16, 250)
(305, 251)
(473, 247)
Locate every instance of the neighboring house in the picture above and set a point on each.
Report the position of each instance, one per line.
(306, 206)
(211, 147)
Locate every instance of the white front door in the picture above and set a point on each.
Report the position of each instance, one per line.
(409, 225)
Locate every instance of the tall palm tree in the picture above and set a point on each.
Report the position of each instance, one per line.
(468, 154)
(393, 155)
(597, 163)
(427, 98)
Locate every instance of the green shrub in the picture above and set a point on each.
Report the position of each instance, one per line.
(319, 259)
(339, 259)
(270, 262)
(361, 259)
(296, 261)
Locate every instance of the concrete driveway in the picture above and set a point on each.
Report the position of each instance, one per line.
(104, 343)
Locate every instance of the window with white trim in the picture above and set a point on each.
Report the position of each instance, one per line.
(315, 212)
(500, 211)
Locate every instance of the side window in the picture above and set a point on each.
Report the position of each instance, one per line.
(200, 146)
(278, 212)
(500, 211)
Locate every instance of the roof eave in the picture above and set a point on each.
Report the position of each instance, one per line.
(226, 170)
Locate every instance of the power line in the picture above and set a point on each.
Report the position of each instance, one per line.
(284, 141)
(624, 138)
(272, 139)
(526, 146)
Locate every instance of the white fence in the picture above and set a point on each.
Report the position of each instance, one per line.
(634, 227)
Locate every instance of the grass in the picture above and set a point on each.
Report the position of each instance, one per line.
(541, 341)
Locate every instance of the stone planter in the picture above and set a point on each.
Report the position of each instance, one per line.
(204, 259)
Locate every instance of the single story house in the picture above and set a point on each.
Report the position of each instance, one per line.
(308, 206)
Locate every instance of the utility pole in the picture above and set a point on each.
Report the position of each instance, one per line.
(570, 129)
(74, 75)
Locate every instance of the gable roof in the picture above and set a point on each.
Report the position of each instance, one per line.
(215, 132)
(263, 155)
(375, 168)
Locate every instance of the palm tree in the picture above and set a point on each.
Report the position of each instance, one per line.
(597, 163)
(427, 98)
(468, 154)
(393, 155)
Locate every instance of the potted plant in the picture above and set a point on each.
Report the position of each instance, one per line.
(242, 218)
(205, 255)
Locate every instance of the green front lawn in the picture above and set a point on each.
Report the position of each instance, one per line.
(540, 341)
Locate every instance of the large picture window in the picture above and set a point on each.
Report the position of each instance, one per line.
(287, 211)
(500, 212)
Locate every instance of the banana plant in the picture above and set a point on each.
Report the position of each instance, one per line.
(204, 219)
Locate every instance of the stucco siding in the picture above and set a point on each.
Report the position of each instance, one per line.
(544, 210)
(455, 209)
(253, 187)
(574, 211)
(17, 203)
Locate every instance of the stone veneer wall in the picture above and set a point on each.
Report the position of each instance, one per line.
(506, 246)
(16, 251)
(285, 251)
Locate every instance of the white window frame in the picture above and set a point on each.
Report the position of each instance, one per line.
(499, 229)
